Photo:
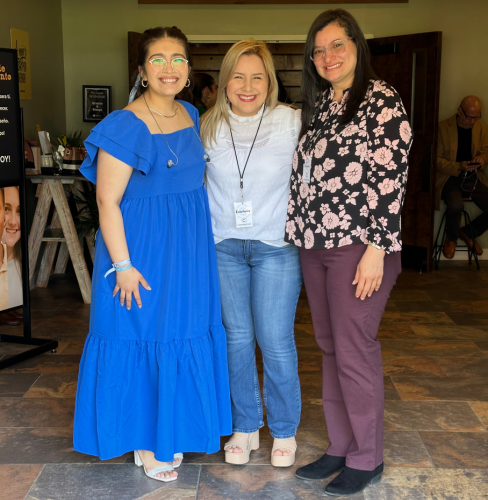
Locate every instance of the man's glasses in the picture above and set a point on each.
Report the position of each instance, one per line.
(336, 48)
(473, 118)
(159, 64)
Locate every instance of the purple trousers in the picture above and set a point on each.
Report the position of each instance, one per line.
(345, 329)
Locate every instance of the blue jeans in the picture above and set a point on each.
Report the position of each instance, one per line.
(260, 285)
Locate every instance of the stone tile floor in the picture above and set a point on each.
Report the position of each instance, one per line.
(434, 336)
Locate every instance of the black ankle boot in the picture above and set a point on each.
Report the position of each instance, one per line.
(323, 467)
(351, 481)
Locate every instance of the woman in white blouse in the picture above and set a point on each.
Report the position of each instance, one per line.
(250, 140)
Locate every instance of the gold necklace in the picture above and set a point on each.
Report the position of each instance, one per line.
(161, 114)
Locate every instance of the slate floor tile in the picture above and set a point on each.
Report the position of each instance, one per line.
(457, 450)
(449, 416)
(15, 385)
(16, 480)
(54, 385)
(405, 449)
(47, 412)
(251, 482)
(109, 482)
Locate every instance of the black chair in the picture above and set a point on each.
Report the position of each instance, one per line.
(438, 245)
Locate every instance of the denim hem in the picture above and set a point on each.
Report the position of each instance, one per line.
(248, 431)
(286, 436)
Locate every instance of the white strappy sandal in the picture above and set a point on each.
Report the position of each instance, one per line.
(247, 444)
(152, 473)
(284, 460)
(178, 456)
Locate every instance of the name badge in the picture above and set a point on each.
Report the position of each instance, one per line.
(307, 166)
(243, 213)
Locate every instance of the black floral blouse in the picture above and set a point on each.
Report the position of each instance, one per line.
(358, 174)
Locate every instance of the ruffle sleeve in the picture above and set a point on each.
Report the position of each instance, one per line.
(125, 137)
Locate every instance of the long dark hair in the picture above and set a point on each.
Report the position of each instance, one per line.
(200, 82)
(313, 83)
(152, 35)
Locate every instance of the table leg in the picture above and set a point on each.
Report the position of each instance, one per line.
(38, 225)
(69, 231)
(48, 256)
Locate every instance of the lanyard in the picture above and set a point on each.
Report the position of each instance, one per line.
(241, 175)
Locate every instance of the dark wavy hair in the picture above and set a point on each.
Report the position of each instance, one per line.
(152, 35)
(313, 83)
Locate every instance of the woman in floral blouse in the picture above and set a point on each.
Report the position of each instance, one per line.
(347, 190)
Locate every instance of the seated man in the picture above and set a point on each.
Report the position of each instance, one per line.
(462, 152)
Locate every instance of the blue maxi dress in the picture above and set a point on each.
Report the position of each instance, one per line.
(155, 378)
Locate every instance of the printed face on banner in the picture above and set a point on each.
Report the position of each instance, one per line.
(10, 249)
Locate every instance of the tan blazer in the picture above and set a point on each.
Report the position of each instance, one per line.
(447, 146)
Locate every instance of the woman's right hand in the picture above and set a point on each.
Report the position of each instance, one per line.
(128, 284)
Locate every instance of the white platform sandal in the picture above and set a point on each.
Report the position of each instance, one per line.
(180, 457)
(284, 460)
(247, 443)
(152, 473)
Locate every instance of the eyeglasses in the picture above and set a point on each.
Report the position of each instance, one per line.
(473, 118)
(336, 48)
(159, 64)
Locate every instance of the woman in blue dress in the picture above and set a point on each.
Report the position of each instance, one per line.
(153, 376)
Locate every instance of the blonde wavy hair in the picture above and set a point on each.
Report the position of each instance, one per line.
(213, 118)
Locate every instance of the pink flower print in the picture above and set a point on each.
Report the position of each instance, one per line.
(295, 161)
(334, 184)
(329, 164)
(350, 130)
(405, 131)
(318, 172)
(362, 151)
(383, 156)
(386, 186)
(364, 211)
(330, 220)
(394, 208)
(291, 205)
(345, 241)
(353, 173)
(385, 115)
(343, 151)
(383, 221)
(291, 228)
(309, 238)
(379, 131)
(320, 148)
(329, 244)
(301, 224)
(303, 190)
(372, 198)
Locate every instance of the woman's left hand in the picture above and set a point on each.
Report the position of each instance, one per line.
(369, 273)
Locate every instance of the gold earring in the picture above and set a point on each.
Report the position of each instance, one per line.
(188, 83)
(147, 83)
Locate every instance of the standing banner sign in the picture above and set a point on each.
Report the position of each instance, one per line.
(14, 261)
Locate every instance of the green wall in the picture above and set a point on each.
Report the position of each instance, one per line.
(42, 20)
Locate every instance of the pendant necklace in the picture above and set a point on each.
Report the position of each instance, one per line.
(171, 163)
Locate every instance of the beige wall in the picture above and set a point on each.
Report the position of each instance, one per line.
(42, 20)
(95, 39)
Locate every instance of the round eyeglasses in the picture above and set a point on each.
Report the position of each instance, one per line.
(159, 64)
(336, 48)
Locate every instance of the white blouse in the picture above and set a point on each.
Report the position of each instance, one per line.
(266, 179)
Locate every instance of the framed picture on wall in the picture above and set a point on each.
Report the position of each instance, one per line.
(97, 102)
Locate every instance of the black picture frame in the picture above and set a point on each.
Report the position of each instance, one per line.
(97, 102)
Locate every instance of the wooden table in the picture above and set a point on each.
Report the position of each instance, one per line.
(61, 232)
